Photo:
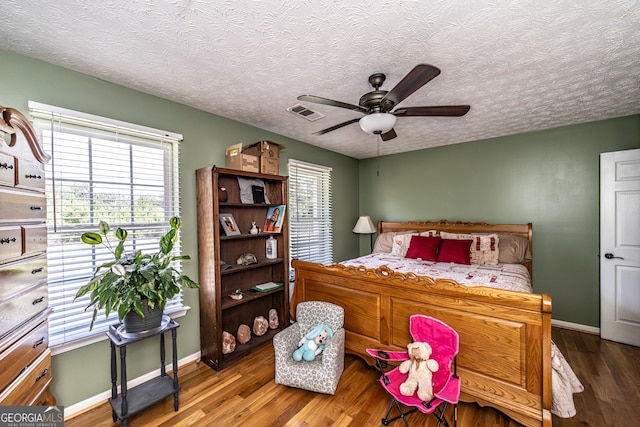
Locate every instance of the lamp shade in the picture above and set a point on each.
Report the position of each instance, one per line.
(377, 123)
(364, 226)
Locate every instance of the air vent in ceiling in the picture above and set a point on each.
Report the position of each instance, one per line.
(302, 111)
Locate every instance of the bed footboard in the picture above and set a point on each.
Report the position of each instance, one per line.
(505, 336)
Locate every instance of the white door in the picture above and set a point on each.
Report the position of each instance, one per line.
(620, 246)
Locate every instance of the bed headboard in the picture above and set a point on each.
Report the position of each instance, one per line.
(520, 230)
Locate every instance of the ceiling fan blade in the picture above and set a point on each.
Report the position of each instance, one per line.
(444, 110)
(388, 135)
(338, 126)
(333, 103)
(418, 77)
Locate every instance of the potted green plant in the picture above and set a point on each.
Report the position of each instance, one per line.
(135, 285)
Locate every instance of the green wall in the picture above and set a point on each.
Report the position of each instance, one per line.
(83, 373)
(549, 178)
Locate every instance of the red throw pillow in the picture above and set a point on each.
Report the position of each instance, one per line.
(423, 247)
(458, 251)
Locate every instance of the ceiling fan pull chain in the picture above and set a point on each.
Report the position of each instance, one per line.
(378, 138)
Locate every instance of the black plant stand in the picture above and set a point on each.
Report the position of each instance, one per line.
(150, 392)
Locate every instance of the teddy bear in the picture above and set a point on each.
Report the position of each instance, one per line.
(312, 343)
(420, 370)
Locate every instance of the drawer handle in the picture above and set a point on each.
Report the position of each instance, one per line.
(36, 208)
(7, 240)
(37, 270)
(37, 301)
(33, 176)
(6, 166)
(38, 343)
(42, 375)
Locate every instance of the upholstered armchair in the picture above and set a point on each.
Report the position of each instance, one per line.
(323, 373)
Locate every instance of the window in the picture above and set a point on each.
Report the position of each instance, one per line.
(100, 169)
(310, 228)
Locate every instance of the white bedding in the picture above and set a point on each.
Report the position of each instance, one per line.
(513, 277)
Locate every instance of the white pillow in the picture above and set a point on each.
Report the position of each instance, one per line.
(384, 241)
(401, 242)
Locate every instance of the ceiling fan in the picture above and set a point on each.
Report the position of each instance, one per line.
(378, 105)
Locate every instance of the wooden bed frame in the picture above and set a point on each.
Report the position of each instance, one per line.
(505, 336)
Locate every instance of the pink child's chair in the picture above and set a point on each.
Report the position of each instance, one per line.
(446, 382)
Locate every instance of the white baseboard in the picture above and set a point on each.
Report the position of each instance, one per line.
(70, 411)
(575, 326)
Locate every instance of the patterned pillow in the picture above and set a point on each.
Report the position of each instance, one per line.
(401, 241)
(401, 244)
(484, 249)
(384, 241)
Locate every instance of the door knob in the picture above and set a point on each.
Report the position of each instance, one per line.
(611, 256)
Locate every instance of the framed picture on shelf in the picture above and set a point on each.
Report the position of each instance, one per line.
(275, 218)
(229, 225)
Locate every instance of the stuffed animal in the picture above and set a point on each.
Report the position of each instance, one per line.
(420, 370)
(313, 343)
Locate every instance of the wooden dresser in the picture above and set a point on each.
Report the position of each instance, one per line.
(25, 358)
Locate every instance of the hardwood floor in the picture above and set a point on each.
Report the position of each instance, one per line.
(245, 394)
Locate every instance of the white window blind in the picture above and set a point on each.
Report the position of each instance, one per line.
(310, 227)
(100, 169)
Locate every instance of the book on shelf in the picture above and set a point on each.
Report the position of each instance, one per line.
(268, 286)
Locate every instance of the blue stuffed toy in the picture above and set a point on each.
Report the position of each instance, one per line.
(313, 343)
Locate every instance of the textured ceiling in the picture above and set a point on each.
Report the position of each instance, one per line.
(522, 65)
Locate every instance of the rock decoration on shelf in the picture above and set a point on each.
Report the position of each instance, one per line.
(244, 334)
(260, 326)
(228, 343)
(273, 319)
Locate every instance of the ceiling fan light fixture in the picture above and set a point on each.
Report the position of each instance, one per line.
(377, 123)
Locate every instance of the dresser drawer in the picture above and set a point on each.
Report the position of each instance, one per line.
(17, 241)
(34, 239)
(22, 307)
(19, 207)
(30, 384)
(7, 170)
(24, 351)
(10, 243)
(18, 276)
(30, 175)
